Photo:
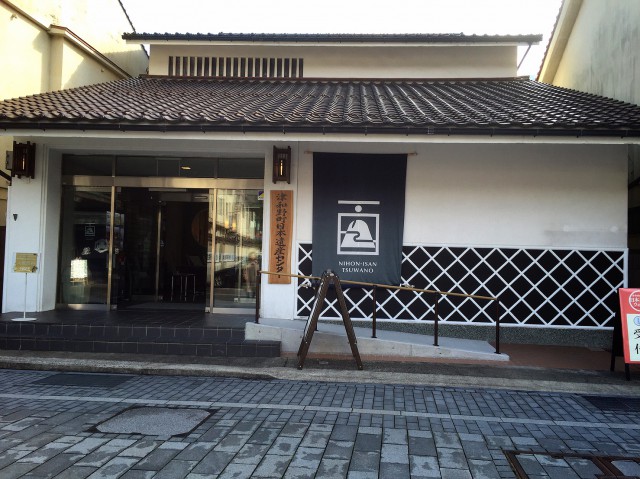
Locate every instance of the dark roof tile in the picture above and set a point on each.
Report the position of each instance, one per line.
(335, 37)
(408, 106)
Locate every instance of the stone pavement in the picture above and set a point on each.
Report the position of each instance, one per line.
(60, 425)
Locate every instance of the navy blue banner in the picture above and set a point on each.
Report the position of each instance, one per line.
(358, 216)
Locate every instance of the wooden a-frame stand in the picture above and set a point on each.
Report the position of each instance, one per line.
(328, 278)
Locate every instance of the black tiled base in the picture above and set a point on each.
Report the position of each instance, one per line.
(134, 338)
(235, 348)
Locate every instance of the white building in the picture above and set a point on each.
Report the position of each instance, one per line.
(594, 48)
(158, 189)
(47, 46)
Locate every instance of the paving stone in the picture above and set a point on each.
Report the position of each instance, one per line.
(264, 436)
(213, 463)
(452, 458)
(138, 474)
(476, 450)
(86, 445)
(157, 459)
(424, 467)
(285, 445)
(394, 436)
(338, 449)
(362, 475)
(315, 439)
(16, 470)
(344, 433)
(251, 453)
(294, 429)
(271, 466)
(455, 473)
(447, 440)
(114, 468)
(140, 448)
(583, 467)
(481, 469)
(56, 465)
(628, 468)
(195, 451)
(236, 471)
(232, 442)
(333, 468)
(365, 461)
(422, 446)
(11, 456)
(76, 472)
(395, 453)
(368, 442)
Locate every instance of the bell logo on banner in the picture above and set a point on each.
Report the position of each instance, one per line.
(358, 216)
(358, 232)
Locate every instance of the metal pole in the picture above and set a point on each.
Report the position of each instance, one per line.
(24, 312)
(497, 326)
(258, 284)
(375, 307)
(435, 325)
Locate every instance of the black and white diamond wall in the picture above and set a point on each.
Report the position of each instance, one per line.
(536, 287)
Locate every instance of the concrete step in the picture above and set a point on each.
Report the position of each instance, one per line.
(331, 339)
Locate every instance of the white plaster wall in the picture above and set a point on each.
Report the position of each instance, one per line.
(24, 50)
(77, 69)
(380, 61)
(278, 300)
(100, 23)
(31, 228)
(603, 54)
(563, 196)
(518, 195)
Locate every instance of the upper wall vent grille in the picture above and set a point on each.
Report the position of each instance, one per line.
(235, 67)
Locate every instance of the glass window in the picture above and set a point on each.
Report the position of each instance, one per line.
(238, 247)
(90, 165)
(84, 251)
(241, 168)
(136, 166)
(198, 167)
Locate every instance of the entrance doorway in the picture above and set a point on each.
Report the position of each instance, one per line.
(161, 248)
(161, 258)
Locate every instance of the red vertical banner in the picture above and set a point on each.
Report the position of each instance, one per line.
(630, 315)
(280, 238)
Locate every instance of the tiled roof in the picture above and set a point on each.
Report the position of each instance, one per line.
(515, 106)
(336, 37)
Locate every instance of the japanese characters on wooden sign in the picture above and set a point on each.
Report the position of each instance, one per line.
(280, 239)
(630, 314)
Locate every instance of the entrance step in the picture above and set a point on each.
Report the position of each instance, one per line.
(331, 339)
(201, 341)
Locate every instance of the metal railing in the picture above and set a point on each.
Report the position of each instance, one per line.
(437, 296)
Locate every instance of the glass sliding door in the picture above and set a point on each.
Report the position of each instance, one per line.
(154, 247)
(83, 272)
(235, 247)
(161, 263)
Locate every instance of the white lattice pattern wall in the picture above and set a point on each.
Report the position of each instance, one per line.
(536, 287)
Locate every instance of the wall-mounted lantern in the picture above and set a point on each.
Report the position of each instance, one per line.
(24, 160)
(282, 164)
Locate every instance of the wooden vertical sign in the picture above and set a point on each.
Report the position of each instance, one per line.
(280, 238)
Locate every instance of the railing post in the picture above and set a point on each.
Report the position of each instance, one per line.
(375, 307)
(258, 288)
(435, 325)
(497, 326)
